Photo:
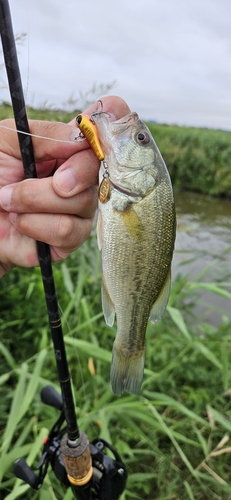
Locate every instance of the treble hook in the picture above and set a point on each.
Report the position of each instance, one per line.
(97, 112)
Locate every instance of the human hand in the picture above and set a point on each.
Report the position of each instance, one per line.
(58, 207)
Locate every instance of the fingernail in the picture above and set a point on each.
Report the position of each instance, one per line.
(65, 180)
(5, 196)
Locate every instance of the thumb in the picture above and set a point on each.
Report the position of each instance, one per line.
(56, 140)
(51, 140)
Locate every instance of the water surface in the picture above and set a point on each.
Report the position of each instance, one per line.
(203, 235)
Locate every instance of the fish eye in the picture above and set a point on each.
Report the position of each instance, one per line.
(143, 137)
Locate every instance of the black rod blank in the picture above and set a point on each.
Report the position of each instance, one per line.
(27, 154)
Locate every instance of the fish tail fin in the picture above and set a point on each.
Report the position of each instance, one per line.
(126, 372)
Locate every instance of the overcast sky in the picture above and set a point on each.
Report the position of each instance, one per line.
(171, 59)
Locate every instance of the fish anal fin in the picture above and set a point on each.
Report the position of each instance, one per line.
(107, 305)
(126, 372)
(133, 224)
(160, 304)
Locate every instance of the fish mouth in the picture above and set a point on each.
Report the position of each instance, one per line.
(108, 129)
(125, 120)
(124, 125)
(128, 119)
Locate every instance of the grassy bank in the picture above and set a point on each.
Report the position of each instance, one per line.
(197, 159)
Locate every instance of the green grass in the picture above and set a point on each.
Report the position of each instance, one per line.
(174, 437)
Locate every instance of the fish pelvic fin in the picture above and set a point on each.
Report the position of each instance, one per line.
(107, 305)
(126, 372)
(160, 304)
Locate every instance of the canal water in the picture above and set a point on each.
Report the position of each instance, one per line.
(203, 239)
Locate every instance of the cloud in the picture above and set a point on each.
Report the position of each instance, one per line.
(171, 60)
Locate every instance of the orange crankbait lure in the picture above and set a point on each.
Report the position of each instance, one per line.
(89, 130)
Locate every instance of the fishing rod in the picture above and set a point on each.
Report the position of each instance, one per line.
(85, 467)
(27, 154)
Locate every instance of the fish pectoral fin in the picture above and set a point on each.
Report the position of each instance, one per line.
(108, 305)
(160, 304)
(99, 230)
(133, 224)
(126, 371)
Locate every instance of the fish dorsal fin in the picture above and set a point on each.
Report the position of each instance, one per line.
(99, 230)
(108, 306)
(160, 304)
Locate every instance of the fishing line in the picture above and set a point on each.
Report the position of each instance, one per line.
(74, 138)
(28, 50)
(70, 333)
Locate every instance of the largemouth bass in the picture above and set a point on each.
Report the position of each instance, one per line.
(136, 234)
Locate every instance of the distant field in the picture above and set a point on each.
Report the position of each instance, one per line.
(39, 114)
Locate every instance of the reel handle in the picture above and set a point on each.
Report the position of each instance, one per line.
(24, 472)
(51, 397)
